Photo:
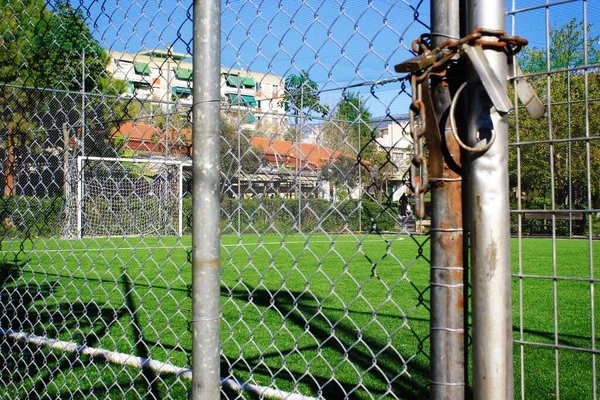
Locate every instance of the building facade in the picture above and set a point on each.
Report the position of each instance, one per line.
(251, 99)
(393, 137)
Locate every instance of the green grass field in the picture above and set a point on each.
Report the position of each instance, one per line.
(342, 314)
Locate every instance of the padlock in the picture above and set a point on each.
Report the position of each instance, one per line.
(417, 63)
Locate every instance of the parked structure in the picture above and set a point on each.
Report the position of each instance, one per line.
(285, 163)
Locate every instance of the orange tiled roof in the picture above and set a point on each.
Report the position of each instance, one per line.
(146, 138)
(285, 153)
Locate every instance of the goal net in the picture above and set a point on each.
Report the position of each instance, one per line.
(124, 197)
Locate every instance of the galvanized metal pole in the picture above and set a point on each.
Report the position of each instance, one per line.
(206, 316)
(447, 376)
(490, 227)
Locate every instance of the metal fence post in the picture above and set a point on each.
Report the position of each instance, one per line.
(447, 376)
(206, 201)
(490, 228)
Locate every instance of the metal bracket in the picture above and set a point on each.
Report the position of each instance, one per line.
(490, 81)
(525, 91)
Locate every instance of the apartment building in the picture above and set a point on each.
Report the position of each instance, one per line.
(393, 137)
(249, 98)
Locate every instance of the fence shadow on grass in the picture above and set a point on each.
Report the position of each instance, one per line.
(140, 342)
(381, 364)
(27, 371)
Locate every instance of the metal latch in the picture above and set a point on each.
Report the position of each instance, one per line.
(490, 81)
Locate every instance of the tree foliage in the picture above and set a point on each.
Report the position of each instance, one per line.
(64, 52)
(567, 49)
(342, 173)
(381, 171)
(350, 133)
(301, 97)
(349, 130)
(238, 157)
(45, 48)
(553, 167)
(42, 53)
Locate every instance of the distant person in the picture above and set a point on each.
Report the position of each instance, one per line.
(403, 205)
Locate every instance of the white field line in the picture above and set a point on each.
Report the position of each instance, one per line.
(140, 362)
(245, 245)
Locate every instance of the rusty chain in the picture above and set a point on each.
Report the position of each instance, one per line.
(435, 62)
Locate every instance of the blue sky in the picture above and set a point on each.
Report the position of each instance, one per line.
(338, 42)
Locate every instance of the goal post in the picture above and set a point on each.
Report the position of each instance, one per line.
(118, 196)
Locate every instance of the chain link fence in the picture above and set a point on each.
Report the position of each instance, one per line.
(324, 268)
(554, 203)
(325, 281)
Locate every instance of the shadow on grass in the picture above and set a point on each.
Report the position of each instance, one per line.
(39, 303)
(140, 342)
(31, 372)
(381, 370)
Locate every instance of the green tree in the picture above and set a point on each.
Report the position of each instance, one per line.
(45, 49)
(238, 157)
(568, 50)
(17, 19)
(563, 164)
(381, 171)
(341, 173)
(64, 51)
(301, 97)
(350, 131)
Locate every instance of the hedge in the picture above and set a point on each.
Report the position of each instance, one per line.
(26, 216)
(277, 215)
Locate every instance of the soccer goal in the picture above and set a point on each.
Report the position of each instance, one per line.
(124, 197)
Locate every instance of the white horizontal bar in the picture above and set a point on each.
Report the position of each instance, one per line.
(140, 362)
(138, 160)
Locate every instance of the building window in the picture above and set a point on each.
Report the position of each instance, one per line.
(242, 100)
(123, 64)
(142, 85)
(182, 92)
(248, 83)
(238, 81)
(232, 80)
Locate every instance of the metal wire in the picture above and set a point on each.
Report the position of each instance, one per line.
(323, 291)
(561, 214)
(325, 287)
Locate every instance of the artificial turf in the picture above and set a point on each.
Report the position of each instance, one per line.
(334, 316)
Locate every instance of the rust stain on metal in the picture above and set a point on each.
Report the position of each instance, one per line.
(491, 255)
(211, 264)
(460, 302)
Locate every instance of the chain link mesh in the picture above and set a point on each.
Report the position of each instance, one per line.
(324, 287)
(553, 180)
